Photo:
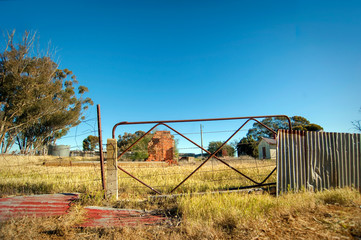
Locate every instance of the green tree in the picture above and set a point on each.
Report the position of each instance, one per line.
(38, 101)
(90, 143)
(140, 150)
(248, 146)
(227, 149)
(275, 123)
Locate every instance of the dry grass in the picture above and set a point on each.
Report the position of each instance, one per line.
(29, 175)
(212, 176)
(323, 215)
(220, 216)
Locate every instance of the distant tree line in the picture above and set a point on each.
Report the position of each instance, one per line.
(249, 144)
(39, 102)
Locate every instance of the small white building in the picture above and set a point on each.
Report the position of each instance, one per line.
(267, 148)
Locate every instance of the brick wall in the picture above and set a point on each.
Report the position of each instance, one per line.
(161, 147)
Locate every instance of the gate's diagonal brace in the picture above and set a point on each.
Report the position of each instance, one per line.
(269, 175)
(137, 140)
(265, 126)
(154, 190)
(212, 155)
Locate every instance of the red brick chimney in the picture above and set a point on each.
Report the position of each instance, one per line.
(161, 147)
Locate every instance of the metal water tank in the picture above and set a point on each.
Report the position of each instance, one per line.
(59, 150)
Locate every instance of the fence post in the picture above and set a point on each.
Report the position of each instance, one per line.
(112, 169)
(101, 150)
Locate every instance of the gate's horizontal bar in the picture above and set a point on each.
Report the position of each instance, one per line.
(197, 120)
(232, 190)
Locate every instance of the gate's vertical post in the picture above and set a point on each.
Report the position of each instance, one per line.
(112, 169)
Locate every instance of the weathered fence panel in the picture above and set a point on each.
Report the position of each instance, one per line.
(317, 160)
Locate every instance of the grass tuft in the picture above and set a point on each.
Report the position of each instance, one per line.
(345, 196)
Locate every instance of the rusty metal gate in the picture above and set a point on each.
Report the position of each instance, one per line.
(211, 155)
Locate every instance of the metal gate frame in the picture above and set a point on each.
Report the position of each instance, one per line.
(211, 155)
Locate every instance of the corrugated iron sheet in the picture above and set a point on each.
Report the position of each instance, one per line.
(317, 160)
(36, 205)
(59, 204)
(112, 217)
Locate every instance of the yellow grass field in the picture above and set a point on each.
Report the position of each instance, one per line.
(45, 174)
(331, 214)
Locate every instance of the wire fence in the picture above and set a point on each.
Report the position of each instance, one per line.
(26, 174)
(212, 176)
(192, 172)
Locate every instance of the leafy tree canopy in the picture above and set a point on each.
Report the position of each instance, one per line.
(227, 150)
(39, 102)
(249, 144)
(140, 150)
(90, 143)
(298, 123)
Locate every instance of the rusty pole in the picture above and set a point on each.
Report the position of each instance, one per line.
(101, 147)
(199, 120)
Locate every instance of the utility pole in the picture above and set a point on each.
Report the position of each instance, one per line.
(201, 141)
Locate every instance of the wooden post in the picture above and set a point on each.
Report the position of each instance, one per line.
(112, 169)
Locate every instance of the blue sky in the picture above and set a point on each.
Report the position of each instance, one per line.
(163, 60)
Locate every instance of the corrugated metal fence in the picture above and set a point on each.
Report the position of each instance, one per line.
(317, 160)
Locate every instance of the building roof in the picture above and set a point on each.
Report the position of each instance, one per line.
(270, 141)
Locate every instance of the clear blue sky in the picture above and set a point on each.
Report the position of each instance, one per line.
(160, 60)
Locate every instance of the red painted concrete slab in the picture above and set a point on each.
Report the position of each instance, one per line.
(112, 217)
(35, 205)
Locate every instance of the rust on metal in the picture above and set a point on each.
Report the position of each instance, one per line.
(199, 120)
(213, 155)
(269, 175)
(254, 118)
(48, 205)
(111, 217)
(271, 130)
(154, 190)
(161, 148)
(101, 148)
(35, 205)
(136, 141)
